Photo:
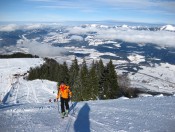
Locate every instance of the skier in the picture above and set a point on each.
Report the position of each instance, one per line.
(64, 94)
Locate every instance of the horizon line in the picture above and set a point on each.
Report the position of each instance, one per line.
(60, 21)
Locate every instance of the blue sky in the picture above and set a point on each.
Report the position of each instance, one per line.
(148, 11)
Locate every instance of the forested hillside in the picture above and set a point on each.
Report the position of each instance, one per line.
(98, 81)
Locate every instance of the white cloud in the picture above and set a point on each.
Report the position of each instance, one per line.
(162, 38)
(9, 50)
(80, 30)
(42, 50)
(8, 28)
(76, 37)
(13, 27)
(34, 26)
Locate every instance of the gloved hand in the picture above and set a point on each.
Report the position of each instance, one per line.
(58, 99)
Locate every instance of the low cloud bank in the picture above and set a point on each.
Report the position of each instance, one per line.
(13, 27)
(8, 28)
(42, 50)
(161, 38)
(9, 50)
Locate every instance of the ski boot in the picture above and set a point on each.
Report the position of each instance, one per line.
(66, 113)
(62, 114)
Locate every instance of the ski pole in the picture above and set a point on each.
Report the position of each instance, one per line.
(58, 106)
(72, 106)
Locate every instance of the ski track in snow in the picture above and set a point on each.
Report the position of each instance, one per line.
(26, 108)
(28, 90)
(16, 94)
(34, 93)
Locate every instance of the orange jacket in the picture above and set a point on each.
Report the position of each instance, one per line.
(64, 92)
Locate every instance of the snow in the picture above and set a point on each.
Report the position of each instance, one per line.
(124, 26)
(117, 45)
(168, 28)
(56, 38)
(123, 98)
(136, 58)
(25, 107)
(145, 95)
(131, 115)
(37, 91)
(10, 67)
(96, 42)
(158, 78)
(160, 95)
(93, 54)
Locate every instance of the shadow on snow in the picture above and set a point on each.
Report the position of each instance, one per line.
(82, 123)
(8, 106)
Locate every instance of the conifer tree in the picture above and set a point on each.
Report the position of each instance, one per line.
(113, 88)
(105, 84)
(77, 90)
(64, 73)
(56, 73)
(84, 81)
(73, 72)
(93, 82)
(96, 82)
(100, 74)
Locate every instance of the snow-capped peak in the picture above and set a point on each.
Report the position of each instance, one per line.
(125, 26)
(95, 26)
(104, 26)
(168, 28)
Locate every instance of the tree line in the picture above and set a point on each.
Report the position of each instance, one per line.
(18, 55)
(97, 81)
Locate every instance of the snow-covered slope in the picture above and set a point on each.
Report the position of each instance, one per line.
(153, 114)
(159, 78)
(25, 107)
(37, 91)
(12, 71)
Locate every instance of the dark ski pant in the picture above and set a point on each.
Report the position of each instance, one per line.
(64, 103)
